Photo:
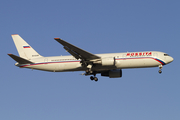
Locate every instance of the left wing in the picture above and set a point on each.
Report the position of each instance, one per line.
(78, 53)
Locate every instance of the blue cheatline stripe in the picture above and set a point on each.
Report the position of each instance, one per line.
(163, 63)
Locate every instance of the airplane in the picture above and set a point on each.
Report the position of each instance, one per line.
(108, 65)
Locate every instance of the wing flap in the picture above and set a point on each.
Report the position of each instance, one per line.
(78, 53)
(72, 52)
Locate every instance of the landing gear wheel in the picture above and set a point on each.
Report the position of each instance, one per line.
(160, 69)
(92, 78)
(96, 79)
(94, 75)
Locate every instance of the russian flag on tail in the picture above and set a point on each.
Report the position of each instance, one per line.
(26, 47)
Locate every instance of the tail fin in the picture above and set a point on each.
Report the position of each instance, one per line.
(24, 49)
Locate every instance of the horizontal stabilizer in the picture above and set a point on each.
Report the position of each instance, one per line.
(19, 59)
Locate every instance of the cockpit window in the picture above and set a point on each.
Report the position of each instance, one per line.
(166, 55)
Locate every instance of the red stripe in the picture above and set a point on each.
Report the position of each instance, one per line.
(79, 61)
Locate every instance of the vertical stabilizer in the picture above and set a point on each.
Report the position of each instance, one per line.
(23, 48)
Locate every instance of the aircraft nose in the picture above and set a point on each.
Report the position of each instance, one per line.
(170, 59)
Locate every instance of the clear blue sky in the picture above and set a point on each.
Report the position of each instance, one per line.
(98, 26)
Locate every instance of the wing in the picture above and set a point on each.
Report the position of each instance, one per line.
(78, 53)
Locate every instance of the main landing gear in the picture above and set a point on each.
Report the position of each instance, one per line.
(89, 72)
(94, 78)
(160, 69)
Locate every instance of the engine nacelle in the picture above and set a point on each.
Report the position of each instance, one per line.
(112, 73)
(110, 61)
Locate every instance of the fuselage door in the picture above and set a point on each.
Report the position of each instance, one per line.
(155, 55)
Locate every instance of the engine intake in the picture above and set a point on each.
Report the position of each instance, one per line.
(112, 73)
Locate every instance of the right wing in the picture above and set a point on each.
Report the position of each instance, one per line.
(78, 53)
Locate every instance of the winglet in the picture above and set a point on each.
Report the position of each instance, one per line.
(57, 38)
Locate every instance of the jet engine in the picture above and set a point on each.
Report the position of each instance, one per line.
(110, 61)
(112, 73)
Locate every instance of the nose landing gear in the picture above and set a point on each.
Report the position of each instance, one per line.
(160, 69)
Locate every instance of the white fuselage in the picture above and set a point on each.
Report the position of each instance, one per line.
(122, 61)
